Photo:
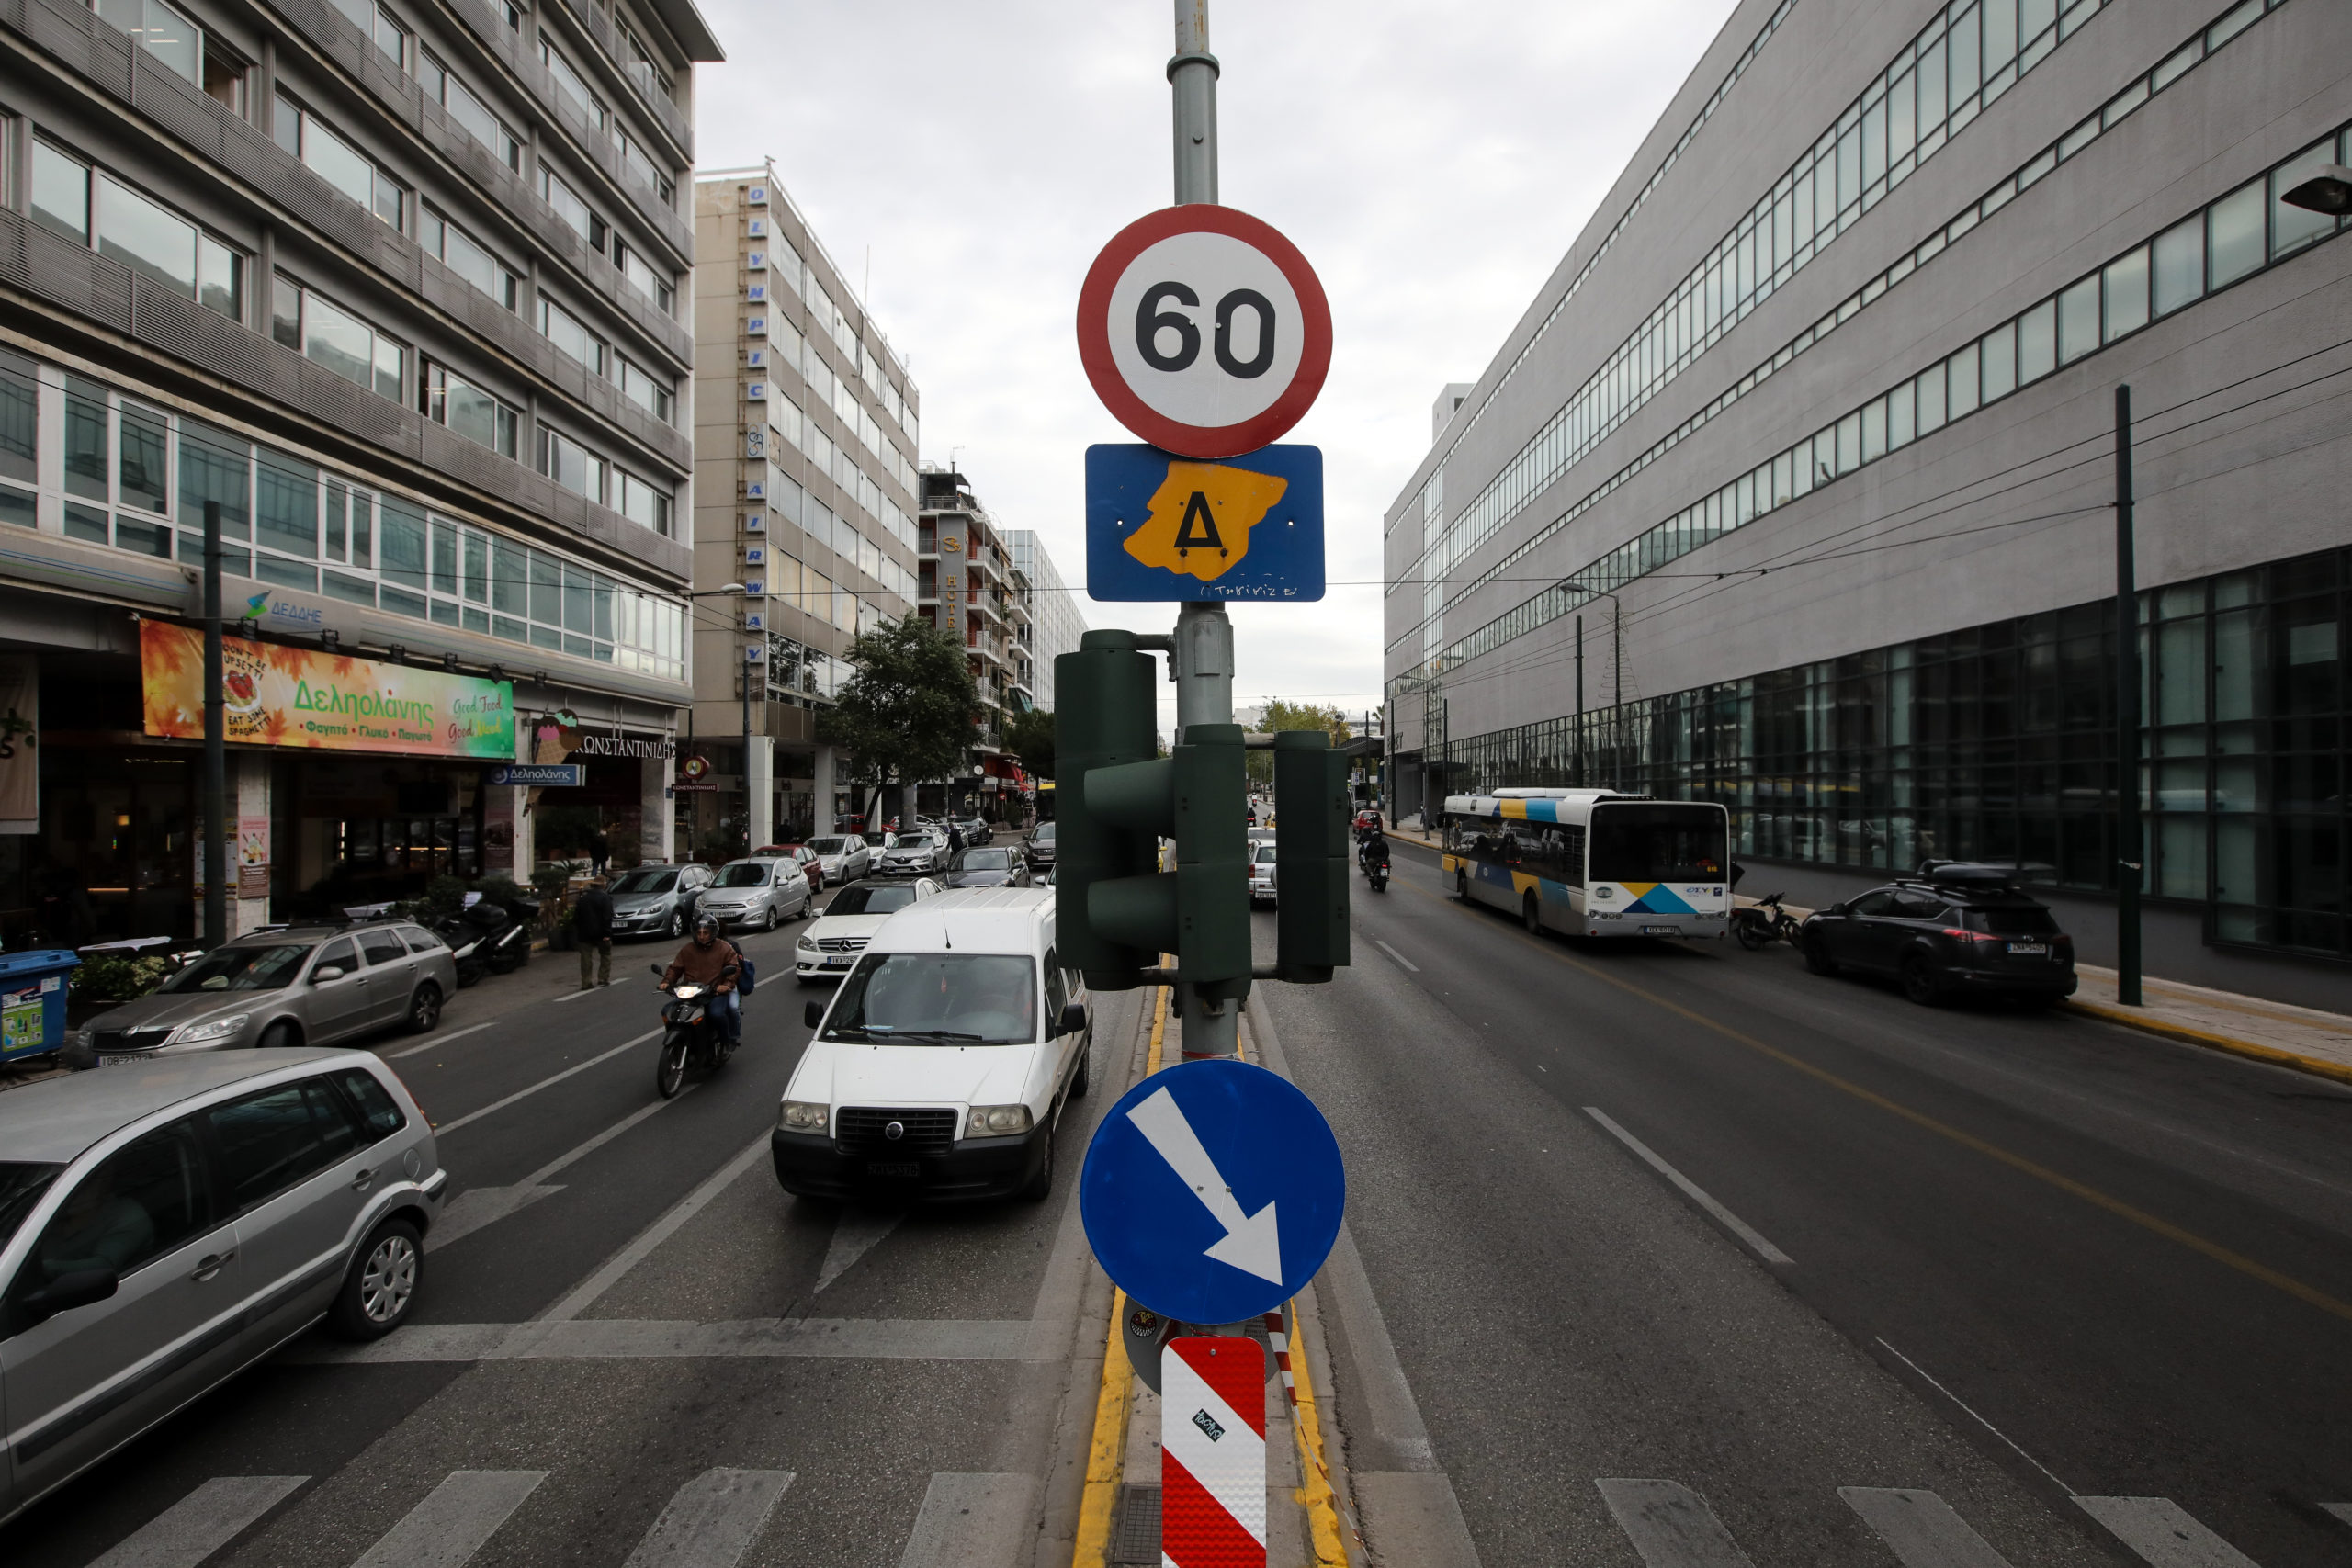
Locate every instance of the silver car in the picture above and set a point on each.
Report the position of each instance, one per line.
(758, 891)
(303, 985)
(918, 853)
(844, 857)
(658, 900)
(163, 1229)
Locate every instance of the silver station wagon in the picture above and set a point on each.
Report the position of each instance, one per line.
(163, 1229)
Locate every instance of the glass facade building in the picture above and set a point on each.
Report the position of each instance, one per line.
(1820, 526)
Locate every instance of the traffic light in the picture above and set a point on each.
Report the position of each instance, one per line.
(1106, 715)
(1200, 911)
(1310, 856)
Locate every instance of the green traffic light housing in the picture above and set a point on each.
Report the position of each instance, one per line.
(1200, 911)
(1105, 717)
(1310, 856)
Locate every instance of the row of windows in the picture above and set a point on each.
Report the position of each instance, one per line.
(1624, 220)
(153, 241)
(2113, 112)
(786, 349)
(794, 278)
(138, 478)
(836, 464)
(1951, 73)
(1996, 743)
(2232, 239)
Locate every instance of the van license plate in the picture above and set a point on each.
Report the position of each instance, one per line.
(1661, 931)
(892, 1168)
(2030, 948)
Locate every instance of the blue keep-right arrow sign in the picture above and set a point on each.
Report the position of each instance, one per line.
(1213, 1191)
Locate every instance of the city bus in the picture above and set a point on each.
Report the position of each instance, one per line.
(1593, 862)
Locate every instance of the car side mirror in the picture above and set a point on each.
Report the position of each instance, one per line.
(812, 1014)
(79, 1288)
(1074, 1019)
(1835, 909)
(326, 971)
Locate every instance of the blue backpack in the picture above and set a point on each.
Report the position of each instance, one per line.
(747, 974)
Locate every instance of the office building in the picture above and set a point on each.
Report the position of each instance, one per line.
(971, 589)
(806, 459)
(398, 289)
(1055, 621)
(1793, 486)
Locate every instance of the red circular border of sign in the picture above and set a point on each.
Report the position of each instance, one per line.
(1193, 440)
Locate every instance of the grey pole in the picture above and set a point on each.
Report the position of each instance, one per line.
(2127, 857)
(215, 744)
(748, 845)
(1580, 702)
(1202, 660)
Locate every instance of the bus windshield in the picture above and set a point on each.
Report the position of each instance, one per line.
(1658, 843)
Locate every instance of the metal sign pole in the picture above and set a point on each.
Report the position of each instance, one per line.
(1203, 658)
(216, 751)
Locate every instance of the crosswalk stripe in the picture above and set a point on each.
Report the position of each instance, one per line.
(711, 1521)
(1921, 1528)
(453, 1522)
(971, 1521)
(200, 1523)
(1670, 1525)
(2163, 1533)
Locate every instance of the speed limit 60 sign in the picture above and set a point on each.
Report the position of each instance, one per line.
(1204, 331)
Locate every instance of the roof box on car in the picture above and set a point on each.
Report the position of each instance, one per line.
(1969, 873)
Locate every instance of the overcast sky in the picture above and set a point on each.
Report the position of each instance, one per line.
(1433, 162)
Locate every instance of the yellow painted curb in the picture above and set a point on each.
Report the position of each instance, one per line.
(1106, 1459)
(2236, 1047)
(1325, 1532)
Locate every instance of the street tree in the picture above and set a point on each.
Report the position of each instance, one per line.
(1030, 737)
(1281, 715)
(909, 711)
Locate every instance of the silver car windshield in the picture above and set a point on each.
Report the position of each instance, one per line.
(831, 846)
(937, 999)
(743, 873)
(648, 880)
(257, 968)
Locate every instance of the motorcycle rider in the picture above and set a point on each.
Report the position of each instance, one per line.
(711, 960)
(1372, 849)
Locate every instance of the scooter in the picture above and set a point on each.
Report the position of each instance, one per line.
(690, 1038)
(1764, 922)
(1374, 867)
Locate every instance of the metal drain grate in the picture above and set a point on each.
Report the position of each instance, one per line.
(1136, 1540)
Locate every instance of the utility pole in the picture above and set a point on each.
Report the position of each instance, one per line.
(216, 743)
(1202, 655)
(1580, 701)
(2129, 856)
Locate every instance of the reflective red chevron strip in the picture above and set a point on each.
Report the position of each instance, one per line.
(1213, 1454)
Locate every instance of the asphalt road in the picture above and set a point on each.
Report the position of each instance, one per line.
(2081, 1284)
(630, 1341)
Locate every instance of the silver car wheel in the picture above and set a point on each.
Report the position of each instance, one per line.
(388, 1279)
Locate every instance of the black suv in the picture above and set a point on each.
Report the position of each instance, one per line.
(1954, 930)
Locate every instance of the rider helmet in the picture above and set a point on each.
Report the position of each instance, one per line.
(705, 923)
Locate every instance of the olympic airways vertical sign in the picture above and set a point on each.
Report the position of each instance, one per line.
(1205, 333)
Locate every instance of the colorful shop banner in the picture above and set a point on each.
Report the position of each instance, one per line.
(277, 695)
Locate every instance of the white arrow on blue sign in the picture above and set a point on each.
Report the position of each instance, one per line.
(1213, 1191)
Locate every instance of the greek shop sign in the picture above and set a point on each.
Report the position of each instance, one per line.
(276, 696)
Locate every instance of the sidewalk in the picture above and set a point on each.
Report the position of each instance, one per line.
(2284, 1035)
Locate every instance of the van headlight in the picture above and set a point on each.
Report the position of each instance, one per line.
(210, 1028)
(805, 1116)
(997, 1120)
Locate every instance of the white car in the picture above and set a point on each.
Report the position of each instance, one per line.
(1261, 872)
(941, 1066)
(828, 949)
(915, 855)
(841, 857)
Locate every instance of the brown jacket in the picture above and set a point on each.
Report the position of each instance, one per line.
(699, 965)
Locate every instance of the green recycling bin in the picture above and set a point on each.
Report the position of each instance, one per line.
(32, 1001)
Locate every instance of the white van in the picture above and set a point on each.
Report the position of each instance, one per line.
(940, 1068)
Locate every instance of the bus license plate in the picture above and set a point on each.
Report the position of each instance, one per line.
(892, 1168)
(1661, 931)
(2030, 948)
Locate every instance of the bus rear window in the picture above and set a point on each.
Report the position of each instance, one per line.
(1658, 843)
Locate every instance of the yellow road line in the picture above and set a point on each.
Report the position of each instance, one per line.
(1106, 1459)
(1326, 1535)
(2249, 1049)
(2306, 1294)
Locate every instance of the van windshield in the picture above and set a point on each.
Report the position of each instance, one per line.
(937, 999)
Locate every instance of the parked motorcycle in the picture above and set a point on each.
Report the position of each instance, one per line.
(690, 1038)
(1760, 924)
(488, 936)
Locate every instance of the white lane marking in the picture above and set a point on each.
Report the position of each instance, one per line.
(971, 1521)
(855, 1235)
(445, 1128)
(1670, 1525)
(452, 1524)
(2163, 1533)
(1920, 1528)
(200, 1523)
(475, 1207)
(584, 990)
(2341, 1510)
(584, 1295)
(1691, 1189)
(440, 1039)
(712, 1520)
(1396, 1417)
(652, 1339)
(1399, 957)
(1975, 1416)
